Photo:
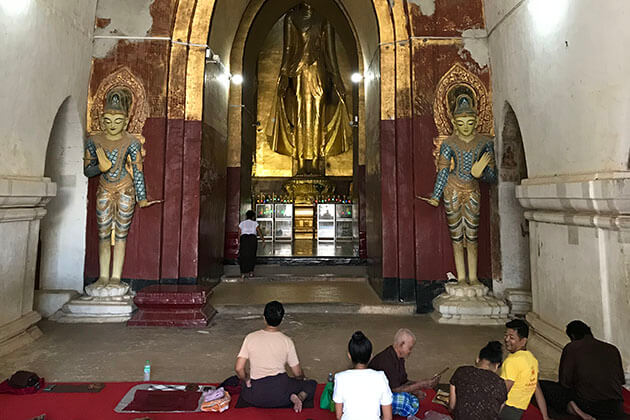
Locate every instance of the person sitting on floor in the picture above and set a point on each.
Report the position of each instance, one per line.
(477, 392)
(520, 372)
(406, 394)
(591, 377)
(361, 393)
(268, 351)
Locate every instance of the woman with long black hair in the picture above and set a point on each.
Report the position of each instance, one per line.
(248, 230)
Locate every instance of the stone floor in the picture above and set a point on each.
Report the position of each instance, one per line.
(259, 292)
(114, 352)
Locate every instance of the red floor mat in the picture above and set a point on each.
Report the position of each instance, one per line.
(96, 406)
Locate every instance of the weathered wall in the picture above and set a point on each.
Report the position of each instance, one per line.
(559, 66)
(46, 58)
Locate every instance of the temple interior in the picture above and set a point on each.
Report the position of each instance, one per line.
(138, 134)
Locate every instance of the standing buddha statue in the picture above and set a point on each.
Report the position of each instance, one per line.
(472, 157)
(115, 156)
(309, 119)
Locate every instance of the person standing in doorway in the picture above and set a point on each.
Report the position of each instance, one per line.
(248, 230)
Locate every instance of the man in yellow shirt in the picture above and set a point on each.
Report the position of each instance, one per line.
(520, 372)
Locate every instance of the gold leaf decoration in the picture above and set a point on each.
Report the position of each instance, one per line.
(458, 76)
(123, 77)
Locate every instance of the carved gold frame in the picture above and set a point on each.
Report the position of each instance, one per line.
(458, 75)
(123, 77)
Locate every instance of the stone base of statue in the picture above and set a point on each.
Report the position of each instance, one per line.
(100, 304)
(520, 301)
(164, 305)
(469, 305)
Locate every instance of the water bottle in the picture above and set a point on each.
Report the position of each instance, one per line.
(147, 372)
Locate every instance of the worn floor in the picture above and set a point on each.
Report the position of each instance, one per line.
(259, 292)
(113, 352)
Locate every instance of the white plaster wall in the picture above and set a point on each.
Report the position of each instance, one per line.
(46, 50)
(11, 290)
(565, 274)
(581, 273)
(46, 57)
(63, 228)
(560, 65)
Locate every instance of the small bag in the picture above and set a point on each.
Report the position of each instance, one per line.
(326, 402)
(22, 382)
(217, 406)
(24, 379)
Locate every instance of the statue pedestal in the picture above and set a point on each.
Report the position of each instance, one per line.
(101, 304)
(173, 306)
(469, 305)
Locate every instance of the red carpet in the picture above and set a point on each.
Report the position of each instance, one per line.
(96, 406)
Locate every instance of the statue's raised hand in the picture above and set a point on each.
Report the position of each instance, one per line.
(480, 165)
(104, 164)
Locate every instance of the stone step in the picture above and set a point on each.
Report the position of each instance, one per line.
(320, 308)
(265, 270)
(279, 278)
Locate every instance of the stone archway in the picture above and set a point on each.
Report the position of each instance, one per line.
(514, 283)
(62, 233)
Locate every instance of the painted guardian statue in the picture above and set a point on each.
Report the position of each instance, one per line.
(466, 157)
(115, 157)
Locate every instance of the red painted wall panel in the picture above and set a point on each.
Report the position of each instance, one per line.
(189, 241)
(405, 198)
(232, 212)
(172, 206)
(389, 198)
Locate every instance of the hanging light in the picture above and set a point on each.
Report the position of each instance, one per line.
(356, 77)
(15, 7)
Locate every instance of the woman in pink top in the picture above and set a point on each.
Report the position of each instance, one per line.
(268, 351)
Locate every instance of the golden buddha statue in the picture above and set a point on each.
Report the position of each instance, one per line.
(115, 156)
(309, 119)
(465, 158)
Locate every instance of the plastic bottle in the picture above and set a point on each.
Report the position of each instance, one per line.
(147, 371)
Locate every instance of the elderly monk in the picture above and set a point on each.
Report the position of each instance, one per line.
(406, 394)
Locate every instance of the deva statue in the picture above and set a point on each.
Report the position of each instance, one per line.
(116, 156)
(465, 158)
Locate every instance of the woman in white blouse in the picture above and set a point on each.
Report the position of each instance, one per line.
(248, 243)
(362, 393)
